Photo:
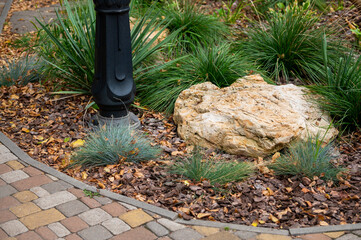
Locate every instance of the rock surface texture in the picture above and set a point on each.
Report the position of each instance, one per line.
(250, 117)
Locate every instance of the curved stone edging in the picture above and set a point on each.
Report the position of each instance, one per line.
(166, 213)
(4, 13)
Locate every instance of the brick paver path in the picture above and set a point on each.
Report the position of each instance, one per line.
(35, 205)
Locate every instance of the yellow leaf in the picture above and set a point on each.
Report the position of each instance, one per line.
(14, 96)
(138, 175)
(25, 130)
(203, 215)
(275, 156)
(255, 223)
(101, 185)
(77, 143)
(106, 169)
(84, 175)
(323, 223)
(186, 182)
(273, 218)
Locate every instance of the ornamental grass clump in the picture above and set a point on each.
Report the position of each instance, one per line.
(309, 159)
(113, 145)
(288, 45)
(217, 64)
(199, 167)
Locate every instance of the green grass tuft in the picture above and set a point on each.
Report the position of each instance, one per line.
(198, 167)
(308, 159)
(112, 145)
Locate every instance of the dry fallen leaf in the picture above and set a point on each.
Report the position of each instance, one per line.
(77, 143)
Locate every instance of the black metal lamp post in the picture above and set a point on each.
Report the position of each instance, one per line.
(113, 86)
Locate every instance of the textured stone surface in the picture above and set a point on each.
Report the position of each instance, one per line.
(46, 233)
(349, 236)
(116, 226)
(8, 202)
(250, 117)
(14, 176)
(29, 236)
(90, 202)
(25, 196)
(54, 187)
(95, 216)
(54, 199)
(6, 157)
(157, 229)
(39, 191)
(317, 236)
(185, 234)
(74, 224)
(135, 218)
(114, 209)
(172, 226)
(59, 229)
(42, 218)
(272, 237)
(6, 190)
(5, 168)
(16, 165)
(206, 231)
(245, 235)
(6, 215)
(139, 233)
(95, 233)
(25, 209)
(222, 236)
(31, 182)
(13, 228)
(72, 208)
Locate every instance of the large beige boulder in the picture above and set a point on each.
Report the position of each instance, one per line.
(250, 117)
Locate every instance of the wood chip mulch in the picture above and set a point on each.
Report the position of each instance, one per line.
(45, 126)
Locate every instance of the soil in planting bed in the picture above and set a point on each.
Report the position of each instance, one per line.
(46, 126)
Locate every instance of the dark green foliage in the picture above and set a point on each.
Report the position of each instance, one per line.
(22, 71)
(217, 64)
(288, 46)
(307, 159)
(339, 85)
(194, 27)
(114, 144)
(199, 167)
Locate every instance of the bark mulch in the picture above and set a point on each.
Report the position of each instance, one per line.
(46, 126)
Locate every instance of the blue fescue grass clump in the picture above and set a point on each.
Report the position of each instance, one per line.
(113, 145)
(22, 71)
(309, 158)
(198, 167)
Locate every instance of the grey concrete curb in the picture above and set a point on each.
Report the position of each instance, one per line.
(163, 212)
(4, 14)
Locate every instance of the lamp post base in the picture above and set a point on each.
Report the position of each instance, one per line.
(130, 120)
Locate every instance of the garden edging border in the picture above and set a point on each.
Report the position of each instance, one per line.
(4, 13)
(163, 212)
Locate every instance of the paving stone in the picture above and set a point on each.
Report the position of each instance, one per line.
(95, 216)
(13, 228)
(2, 183)
(76, 192)
(95, 233)
(349, 236)
(6, 157)
(130, 207)
(42, 218)
(31, 182)
(139, 233)
(221, 235)
(3, 149)
(39, 191)
(164, 238)
(16, 165)
(116, 226)
(245, 235)
(54, 199)
(135, 218)
(54, 187)
(72, 208)
(74, 224)
(186, 234)
(6, 215)
(317, 236)
(172, 226)
(14, 176)
(7, 190)
(334, 234)
(114, 209)
(90, 202)
(46, 233)
(358, 232)
(52, 177)
(272, 237)
(8, 202)
(102, 200)
(5, 168)
(25, 196)
(31, 171)
(25, 209)
(157, 229)
(206, 231)
(59, 229)
(29, 236)
(3, 234)
(73, 237)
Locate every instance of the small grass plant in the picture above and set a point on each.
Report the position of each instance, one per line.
(198, 167)
(113, 145)
(309, 158)
(288, 45)
(22, 71)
